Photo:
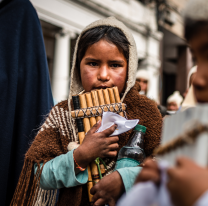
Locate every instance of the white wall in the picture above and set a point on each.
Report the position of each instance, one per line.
(65, 14)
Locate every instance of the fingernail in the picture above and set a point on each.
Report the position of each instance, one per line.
(98, 121)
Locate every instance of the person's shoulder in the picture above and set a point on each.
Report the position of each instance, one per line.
(59, 112)
(62, 105)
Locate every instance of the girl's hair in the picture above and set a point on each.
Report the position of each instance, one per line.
(108, 33)
(192, 27)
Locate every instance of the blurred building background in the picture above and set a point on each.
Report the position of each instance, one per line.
(155, 24)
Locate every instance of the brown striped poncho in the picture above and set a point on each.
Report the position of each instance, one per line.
(54, 136)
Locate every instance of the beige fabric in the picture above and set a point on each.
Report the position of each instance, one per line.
(190, 100)
(75, 83)
(192, 71)
(143, 73)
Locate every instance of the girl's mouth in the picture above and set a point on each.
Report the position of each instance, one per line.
(101, 87)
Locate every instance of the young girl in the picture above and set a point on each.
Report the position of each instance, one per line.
(105, 56)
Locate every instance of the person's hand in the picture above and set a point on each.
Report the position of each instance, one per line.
(97, 145)
(108, 190)
(149, 172)
(187, 182)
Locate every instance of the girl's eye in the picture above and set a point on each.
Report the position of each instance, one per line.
(116, 65)
(93, 64)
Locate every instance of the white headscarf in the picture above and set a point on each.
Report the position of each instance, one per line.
(75, 83)
(175, 97)
(144, 74)
(192, 71)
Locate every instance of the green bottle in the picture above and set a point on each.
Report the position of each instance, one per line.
(132, 154)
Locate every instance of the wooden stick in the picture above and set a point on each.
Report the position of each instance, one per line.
(89, 111)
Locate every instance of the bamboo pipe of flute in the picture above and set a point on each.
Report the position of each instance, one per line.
(90, 104)
(83, 104)
(94, 169)
(86, 123)
(79, 122)
(111, 95)
(117, 98)
(106, 96)
(101, 101)
(95, 102)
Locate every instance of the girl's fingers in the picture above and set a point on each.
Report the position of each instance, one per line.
(149, 175)
(111, 203)
(95, 128)
(109, 131)
(93, 190)
(112, 140)
(99, 202)
(114, 146)
(149, 163)
(112, 154)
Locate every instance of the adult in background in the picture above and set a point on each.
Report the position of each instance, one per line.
(174, 102)
(142, 76)
(24, 87)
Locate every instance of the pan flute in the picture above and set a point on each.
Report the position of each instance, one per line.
(185, 134)
(88, 109)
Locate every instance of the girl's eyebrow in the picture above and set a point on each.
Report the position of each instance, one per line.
(111, 61)
(117, 61)
(91, 59)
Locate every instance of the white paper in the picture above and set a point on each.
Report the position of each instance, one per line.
(123, 125)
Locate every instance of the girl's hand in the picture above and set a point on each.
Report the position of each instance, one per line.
(150, 172)
(187, 182)
(97, 145)
(108, 190)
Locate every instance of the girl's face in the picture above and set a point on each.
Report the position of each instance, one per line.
(199, 48)
(103, 66)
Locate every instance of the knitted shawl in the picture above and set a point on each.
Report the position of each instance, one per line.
(55, 135)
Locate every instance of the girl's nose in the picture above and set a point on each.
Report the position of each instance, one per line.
(199, 81)
(103, 74)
